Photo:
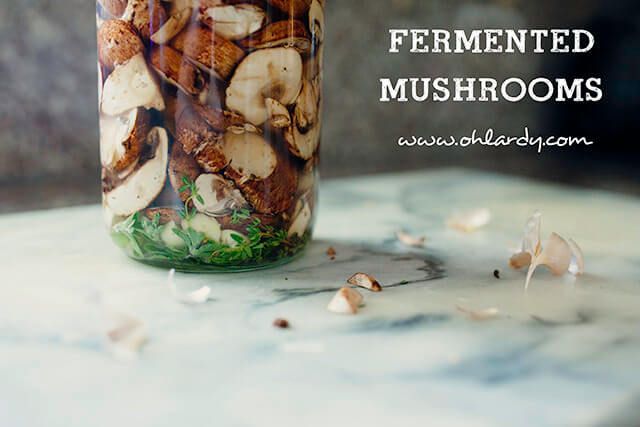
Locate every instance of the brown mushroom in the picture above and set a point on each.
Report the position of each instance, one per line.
(118, 42)
(172, 66)
(280, 34)
(181, 166)
(147, 16)
(122, 138)
(294, 8)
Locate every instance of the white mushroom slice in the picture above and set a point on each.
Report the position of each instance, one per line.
(366, 281)
(206, 225)
(232, 238)
(234, 22)
(122, 138)
(345, 301)
(142, 186)
(306, 111)
(279, 116)
(170, 238)
(110, 219)
(301, 219)
(308, 178)
(303, 145)
(218, 196)
(316, 20)
(250, 155)
(173, 26)
(131, 85)
(269, 73)
(303, 137)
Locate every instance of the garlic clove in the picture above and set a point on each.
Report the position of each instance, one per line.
(345, 301)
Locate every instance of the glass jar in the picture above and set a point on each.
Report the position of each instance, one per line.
(210, 117)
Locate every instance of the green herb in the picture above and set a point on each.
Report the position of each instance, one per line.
(141, 238)
(192, 188)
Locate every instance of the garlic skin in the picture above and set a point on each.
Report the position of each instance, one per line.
(469, 221)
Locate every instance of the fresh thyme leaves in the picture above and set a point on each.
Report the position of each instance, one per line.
(142, 238)
(240, 215)
(192, 189)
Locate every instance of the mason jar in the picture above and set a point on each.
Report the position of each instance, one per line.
(210, 119)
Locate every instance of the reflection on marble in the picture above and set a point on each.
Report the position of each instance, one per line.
(563, 354)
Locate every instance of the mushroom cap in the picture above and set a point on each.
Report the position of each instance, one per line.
(208, 51)
(141, 187)
(115, 8)
(131, 85)
(267, 73)
(233, 22)
(165, 215)
(122, 138)
(200, 140)
(172, 67)
(266, 177)
(117, 43)
(295, 8)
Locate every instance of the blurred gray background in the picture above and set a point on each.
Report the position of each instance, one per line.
(48, 96)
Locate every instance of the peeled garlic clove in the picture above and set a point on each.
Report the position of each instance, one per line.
(470, 221)
(577, 260)
(520, 260)
(366, 281)
(345, 301)
(409, 240)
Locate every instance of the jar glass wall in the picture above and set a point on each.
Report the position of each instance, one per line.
(210, 118)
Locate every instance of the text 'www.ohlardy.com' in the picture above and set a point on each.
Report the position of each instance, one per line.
(491, 139)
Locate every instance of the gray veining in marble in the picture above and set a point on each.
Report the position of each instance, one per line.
(563, 354)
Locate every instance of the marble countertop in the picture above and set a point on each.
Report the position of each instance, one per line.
(565, 353)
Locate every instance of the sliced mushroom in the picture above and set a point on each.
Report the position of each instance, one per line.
(200, 140)
(122, 138)
(171, 65)
(303, 137)
(279, 116)
(308, 178)
(268, 73)
(118, 42)
(266, 177)
(295, 8)
(217, 118)
(301, 219)
(280, 34)
(147, 16)
(131, 85)
(142, 186)
(115, 8)
(316, 20)
(181, 166)
(164, 215)
(234, 22)
(172, 27)
(219, 196)
(212, 53)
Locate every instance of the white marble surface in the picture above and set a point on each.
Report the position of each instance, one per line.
(564, 354)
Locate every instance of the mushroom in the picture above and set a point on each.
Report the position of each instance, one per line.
(265, 176)
(268, 73)
(181, 166)
(176, 22)
(308, 177)
(142, 186)
(294, 8)
(118, 42)
(171, 65)
(114, 8)
(279, 116)
(280, 34)
(303, 136)
(217, 118)
(147, 16)
(209, 52)
(200, 140)
(233, 22)
(218, 196)
(366, 281)
(301, 219)
(122, 138)
(316, 21)
(130, 86)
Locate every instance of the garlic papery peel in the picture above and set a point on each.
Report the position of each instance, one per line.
(479, 315)
(410, 240)
(558, 254)
(125, 336)
(577, 260)
(199, 296)
(469, 221)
